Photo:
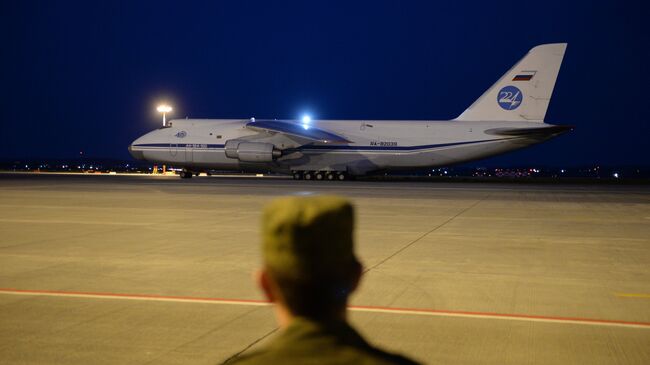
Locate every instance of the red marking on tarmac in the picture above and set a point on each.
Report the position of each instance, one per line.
(133, 296)
(396, 310)
(531, 317)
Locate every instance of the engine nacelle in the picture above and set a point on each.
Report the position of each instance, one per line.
(251, 151)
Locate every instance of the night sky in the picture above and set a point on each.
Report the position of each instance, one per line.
(86, 76)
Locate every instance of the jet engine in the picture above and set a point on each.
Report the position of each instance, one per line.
(251, 151)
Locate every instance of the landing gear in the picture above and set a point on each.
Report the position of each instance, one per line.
(186, 174)
(320, 175)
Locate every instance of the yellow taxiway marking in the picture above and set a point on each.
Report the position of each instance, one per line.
(632, 295)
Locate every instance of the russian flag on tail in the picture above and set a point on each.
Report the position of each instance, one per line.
(524, 76)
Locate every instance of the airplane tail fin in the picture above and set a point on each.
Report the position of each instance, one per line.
(524, 92)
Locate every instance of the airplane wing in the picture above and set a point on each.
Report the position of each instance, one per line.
(295, 129)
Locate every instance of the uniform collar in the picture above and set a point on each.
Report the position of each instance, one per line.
(304, 329)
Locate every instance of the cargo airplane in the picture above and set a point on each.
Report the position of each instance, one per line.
(508, 116)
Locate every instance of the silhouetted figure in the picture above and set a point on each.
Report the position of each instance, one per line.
(309, 272)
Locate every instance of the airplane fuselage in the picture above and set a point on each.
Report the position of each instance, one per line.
(199, 144)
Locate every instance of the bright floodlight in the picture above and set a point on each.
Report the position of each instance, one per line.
(164, 108)
(306, 119)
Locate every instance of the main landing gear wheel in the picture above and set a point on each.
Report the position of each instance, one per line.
(186, 174)
(321, 175)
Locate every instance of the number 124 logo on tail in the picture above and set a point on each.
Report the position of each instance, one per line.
(510, 97)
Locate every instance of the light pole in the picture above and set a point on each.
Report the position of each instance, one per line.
(164, 109)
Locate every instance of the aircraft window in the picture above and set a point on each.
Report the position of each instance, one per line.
(218, 136)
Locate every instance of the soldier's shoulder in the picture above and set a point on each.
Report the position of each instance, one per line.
(285, 358)
(377, 356)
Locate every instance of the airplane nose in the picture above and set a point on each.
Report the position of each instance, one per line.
(138, 155)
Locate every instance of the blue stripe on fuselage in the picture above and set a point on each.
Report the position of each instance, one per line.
(391, 148)
(328, 147)
(178, 145)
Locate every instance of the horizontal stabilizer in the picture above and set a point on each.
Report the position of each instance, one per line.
(296, 129)
(531, 132)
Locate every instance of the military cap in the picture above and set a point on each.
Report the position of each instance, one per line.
(308, 237)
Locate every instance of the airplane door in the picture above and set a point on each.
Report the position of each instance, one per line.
(173, 149)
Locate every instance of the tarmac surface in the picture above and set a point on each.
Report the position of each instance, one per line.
(146, 269)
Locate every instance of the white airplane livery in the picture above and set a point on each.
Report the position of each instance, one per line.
(508, 116)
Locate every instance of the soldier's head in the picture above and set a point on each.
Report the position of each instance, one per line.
(309, 263)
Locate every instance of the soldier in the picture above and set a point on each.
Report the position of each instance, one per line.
(309, 272)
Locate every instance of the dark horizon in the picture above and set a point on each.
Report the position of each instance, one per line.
(81, 76)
